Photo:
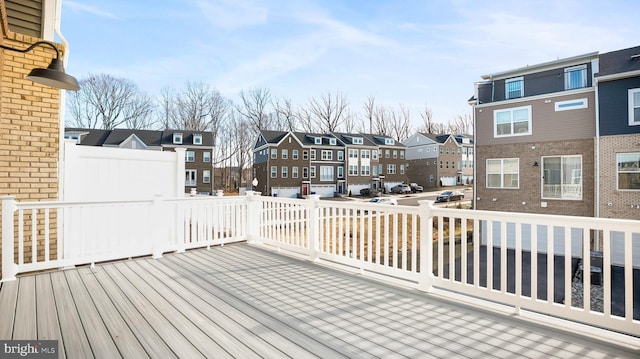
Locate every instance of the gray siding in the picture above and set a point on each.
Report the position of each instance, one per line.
(25, 17)
(614, 106)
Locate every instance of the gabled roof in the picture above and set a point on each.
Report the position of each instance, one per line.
(620, 61)
(273, 136)
(440, 138)
(187, 138)
(117, 136)
(378, 140)
(346, 138)
(89, 137)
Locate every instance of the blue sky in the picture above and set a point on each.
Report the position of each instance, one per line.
(402, 52)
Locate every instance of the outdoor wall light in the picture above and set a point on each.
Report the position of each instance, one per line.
(53, 75)
(535, 164)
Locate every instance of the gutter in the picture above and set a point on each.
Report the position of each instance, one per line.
(62, 112)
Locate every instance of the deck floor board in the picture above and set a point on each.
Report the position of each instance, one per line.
(244, 301)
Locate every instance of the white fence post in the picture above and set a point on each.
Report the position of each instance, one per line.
(314, 227)
(9, 269)
(426, 245)
(159, 232)
(253, 217)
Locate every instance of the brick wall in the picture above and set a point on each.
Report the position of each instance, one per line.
(614, 203)
(29, 128)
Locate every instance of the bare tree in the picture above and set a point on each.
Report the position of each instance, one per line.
(254, 108)
(166, 107)
(285, 113)
(400, 123)
(306, 120)
(381, 118)
(461, 125)
(329, 112)
(353, 124)
(194, 107)
(369, 111)
(107, 102)
(428, 124)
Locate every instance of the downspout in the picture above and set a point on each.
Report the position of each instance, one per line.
(65, 58)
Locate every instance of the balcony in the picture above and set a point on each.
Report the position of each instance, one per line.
(273, 277)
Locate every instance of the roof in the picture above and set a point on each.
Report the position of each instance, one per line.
(378, 140)
(541, 66)
(156, 138)
(620, 61)
(345, 138)
(117, 136)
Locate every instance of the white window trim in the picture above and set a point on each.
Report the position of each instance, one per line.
(571, 104)
(274, 153)
(327, 155)
(191, 182)
(568, 70)
(294, 154)
(357, 141)
(506, 86)
(327, 169)
(312, 172)
(177, 138)
(511, 109)
(197, 139)
(284, 172)
(631, 107)
(294, 172)
(205, 178)
(204, 157)
(274, 174)
(502, 173)
(186, 156)
(561, 198)
(618, 174)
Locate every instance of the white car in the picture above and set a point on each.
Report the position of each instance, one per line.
(384, 200)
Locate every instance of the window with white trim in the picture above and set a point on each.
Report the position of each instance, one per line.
(357, 140)
(562, 177)
(206, 157)
(317, 140)
(575, 77)
(294, 172)
(206, 176)
(365, 153)
(284, 154)
(305, 155)
(374, 154)
(177, 138)
(389, 141)
(189, 156)
(305, 172)
(191, 178)
(365, 170)
(634, 107)
(327, 155)
(395, 153)
(313, 155)
(374, 171)
(340, 172)
(387, 153)
(285, 171)
(274, 171)
(628, 171)
(353, 170)
(503, 173)
(326, 173)
(514, 88)
(512, 122)
(401, 169)
(402, 155)
(274, 153)
(312, 171)
(353, 153)
(197, 139)
(332, 141)
(294, 154)
(391, 169)
(340, 155)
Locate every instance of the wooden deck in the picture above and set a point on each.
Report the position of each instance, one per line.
(239, 301)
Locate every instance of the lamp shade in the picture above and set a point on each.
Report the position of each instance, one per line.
(54, 76)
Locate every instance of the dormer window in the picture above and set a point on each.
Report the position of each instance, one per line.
(389, 141)
(317, 140)
(332, 141)
(177, 138)
(197, 139)
(357, 140)
(575, 77)
(514, 88)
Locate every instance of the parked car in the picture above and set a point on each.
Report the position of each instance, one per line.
(369, 192)
(448, 196)
(415, 187)
(401, 189)
(384, 200)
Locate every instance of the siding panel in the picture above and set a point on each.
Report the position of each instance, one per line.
(614, 107)
(25, 17)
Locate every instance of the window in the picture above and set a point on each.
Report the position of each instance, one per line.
(206, 157)
(312, 171)
(317, 140)
(294, 154)
(446, 151)
(401, 169)
(514, 88)
(274, 153)
(562, 177)
(357, 140)
(374, 154)
(365, 170)
(440, 164)
(340, 172)
(327, 155)
(503, 173)
(177, 138)
(571, 104)
(402, 155)
(206, 176)
(305, 172)
(441, 150)
(326, 173)
(353, 170)
(386, 153)
(365, 153)
(512, 122)
(389, 141)
(430, 178)
(284, 154)
(380, 169)
(313, 155)
(340, 155)
(189, 156)
(634, 107)
(391, 169)
(379, 153)
(628, 171)
(197, 139)
(395, 153)
(305, 155)
(575, 77)
(191, 178)
(332, 141)
(285, 171)
(353, 153)
(374, 171)
(274, 171)
(294, 172)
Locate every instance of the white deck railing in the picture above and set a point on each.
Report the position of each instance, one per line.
(525, 261)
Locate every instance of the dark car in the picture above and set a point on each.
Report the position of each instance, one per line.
(369, 192)
(448, 196)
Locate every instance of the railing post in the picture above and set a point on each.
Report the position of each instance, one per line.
(254, 217)
(426, 245)
(314, 227)
(9, 269)
(158, 219)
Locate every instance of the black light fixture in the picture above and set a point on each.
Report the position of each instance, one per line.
(54, 74)
(535, 164)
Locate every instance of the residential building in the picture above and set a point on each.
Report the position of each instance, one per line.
(198, 146)
(292, 164)
(439, 160)
(617, 144)
(534, 138)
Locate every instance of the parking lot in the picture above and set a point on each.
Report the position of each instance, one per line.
(413, 198)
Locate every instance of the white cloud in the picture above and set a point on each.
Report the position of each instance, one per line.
(89, 9)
